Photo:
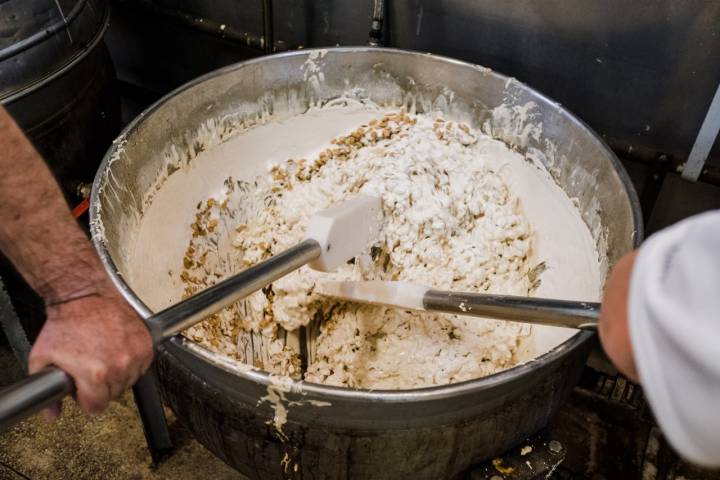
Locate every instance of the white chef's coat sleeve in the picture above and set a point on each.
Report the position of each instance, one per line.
(674, 321)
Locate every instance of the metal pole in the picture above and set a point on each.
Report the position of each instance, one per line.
(32, 394)
(376, 27)
(41, 389)
(13, 329)
(541, 311)
(704, 141)
(268, 40)
(152, 415)
(187, 313)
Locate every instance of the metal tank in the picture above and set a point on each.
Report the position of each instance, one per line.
(427, 433)
(56, 81)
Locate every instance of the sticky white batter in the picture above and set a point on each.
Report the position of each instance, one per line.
(455, 201)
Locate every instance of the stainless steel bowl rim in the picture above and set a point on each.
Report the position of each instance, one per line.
(329, 392)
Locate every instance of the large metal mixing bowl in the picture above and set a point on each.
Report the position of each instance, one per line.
(428, 433)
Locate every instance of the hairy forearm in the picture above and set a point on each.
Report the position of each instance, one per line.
(37, 231)
(90, 332)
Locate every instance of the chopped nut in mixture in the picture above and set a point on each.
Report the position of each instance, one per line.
(450, 222)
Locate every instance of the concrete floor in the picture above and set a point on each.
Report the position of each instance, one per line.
(110, 446)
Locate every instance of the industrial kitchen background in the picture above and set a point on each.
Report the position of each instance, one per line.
(643, 74)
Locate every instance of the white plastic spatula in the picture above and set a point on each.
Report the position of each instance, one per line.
(333, 237)
(544, 311)
(343, 231)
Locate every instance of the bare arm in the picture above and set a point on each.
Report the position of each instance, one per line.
(37, 231)
(665, 299)
(613, 328)
(90, 331)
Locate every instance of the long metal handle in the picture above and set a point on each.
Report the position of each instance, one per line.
(187, 313)
(32, 394)
(542, 311)
(50, 385)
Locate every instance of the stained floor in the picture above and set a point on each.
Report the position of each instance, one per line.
(110, 446)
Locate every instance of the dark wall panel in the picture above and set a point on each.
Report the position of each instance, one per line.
(641, 73)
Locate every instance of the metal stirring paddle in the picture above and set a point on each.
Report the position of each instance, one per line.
(332, 238)
(543, 311)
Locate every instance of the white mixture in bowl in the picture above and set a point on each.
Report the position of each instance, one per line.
(462, 212)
